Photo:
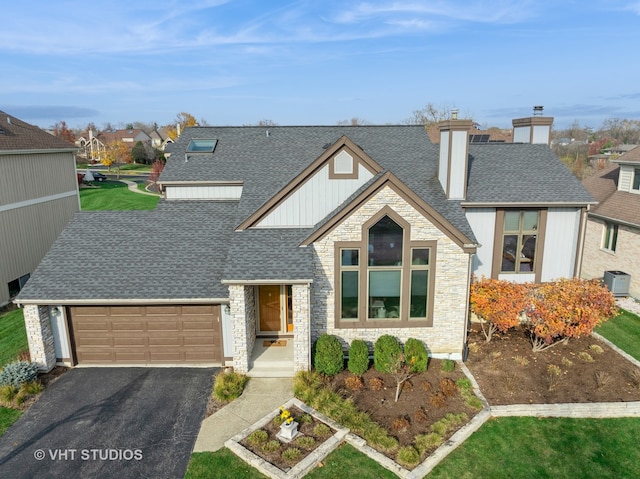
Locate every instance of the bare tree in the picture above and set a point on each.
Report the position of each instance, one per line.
(431, 114)
(355, 121)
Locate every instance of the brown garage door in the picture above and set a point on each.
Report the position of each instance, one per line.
(147, 334)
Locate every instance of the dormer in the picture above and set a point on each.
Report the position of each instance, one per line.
(629, 176)
(453, 163)
(535, 129)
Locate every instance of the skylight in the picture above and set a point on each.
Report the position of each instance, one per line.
(201, 146)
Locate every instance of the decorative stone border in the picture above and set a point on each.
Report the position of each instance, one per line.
(304, 466)
(575, 410)
(572, 410)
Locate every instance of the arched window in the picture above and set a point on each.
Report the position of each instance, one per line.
(385, 247)
(385, 279)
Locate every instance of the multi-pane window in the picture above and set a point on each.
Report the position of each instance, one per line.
(419, 282)
(636, 179)
(385, 278)
(519, 235)
(610, 236)
(385, 269)
(349, 283)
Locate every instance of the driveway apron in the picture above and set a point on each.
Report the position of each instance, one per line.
(110, 423)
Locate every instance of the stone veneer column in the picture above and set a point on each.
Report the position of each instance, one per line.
(301, 327)
(242, 313)
(40, 336)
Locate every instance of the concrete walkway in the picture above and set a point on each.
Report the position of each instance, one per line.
(133, 186)
(630, 304)
(260, 397)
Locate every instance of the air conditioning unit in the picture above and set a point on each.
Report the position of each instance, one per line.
(617, 282)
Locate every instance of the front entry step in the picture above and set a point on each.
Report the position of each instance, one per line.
(269, 371)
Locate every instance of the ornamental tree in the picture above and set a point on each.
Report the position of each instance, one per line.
(498, 304)
(568, 308)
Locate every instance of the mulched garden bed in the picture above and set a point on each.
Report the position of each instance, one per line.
(422, 401)
(578, 371)
(277, 455)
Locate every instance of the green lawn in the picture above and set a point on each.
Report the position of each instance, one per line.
(221, 464)
(13, 336)
(340, 463)
(114, 195)
(13, 340)
(7, 417)
(624, 332)
(529, 447)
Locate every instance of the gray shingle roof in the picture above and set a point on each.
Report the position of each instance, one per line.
(175, 251)
(268, 163)
(269, 254)
(520, 173)
(194, 246)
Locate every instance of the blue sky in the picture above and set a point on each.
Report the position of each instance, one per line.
(318, 62)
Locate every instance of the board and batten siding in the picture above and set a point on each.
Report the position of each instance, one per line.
(27, 233)
(315, 199)
(203, 192)
(36, 175)
(483, 224)
(38, 197)
(625, 179)
(561, 243)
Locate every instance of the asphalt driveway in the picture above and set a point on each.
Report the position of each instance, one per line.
(110, 423)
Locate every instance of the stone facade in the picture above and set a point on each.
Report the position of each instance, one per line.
(447, 335)
(243, 320)
(626, 257)
(301, 327)
(40, 336)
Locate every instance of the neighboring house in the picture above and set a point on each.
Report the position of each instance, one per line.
(291, 232)
(613, 229)
(130, 136)
(38, 197)
(618, 150)
(90, 148)
(160, 138)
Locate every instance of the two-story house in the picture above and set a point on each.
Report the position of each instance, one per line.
(613, 228)
(38, 197)
(290, 232)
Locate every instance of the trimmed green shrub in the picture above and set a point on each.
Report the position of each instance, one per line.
(18, 373)
(358, 357)
(416, 355)
(328, 358)
(291, 455)
(408, 456)
(385, 353)
(259, 436)
(448, 365)
(229, 386)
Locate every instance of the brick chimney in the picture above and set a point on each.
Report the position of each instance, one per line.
(454, 156)
(535, 129)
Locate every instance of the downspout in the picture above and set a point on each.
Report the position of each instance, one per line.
(581, 240)
(465, 347)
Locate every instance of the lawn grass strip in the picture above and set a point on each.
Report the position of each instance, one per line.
(622, 353)
(304, 466)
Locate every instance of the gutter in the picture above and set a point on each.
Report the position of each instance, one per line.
(39, 150)
(526, 204)
(266, 281)
(111, 301)
(615, 220)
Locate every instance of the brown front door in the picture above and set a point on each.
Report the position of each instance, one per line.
(270, 308)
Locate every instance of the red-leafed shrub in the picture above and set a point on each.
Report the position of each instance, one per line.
(568, 308)
(499, 303)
